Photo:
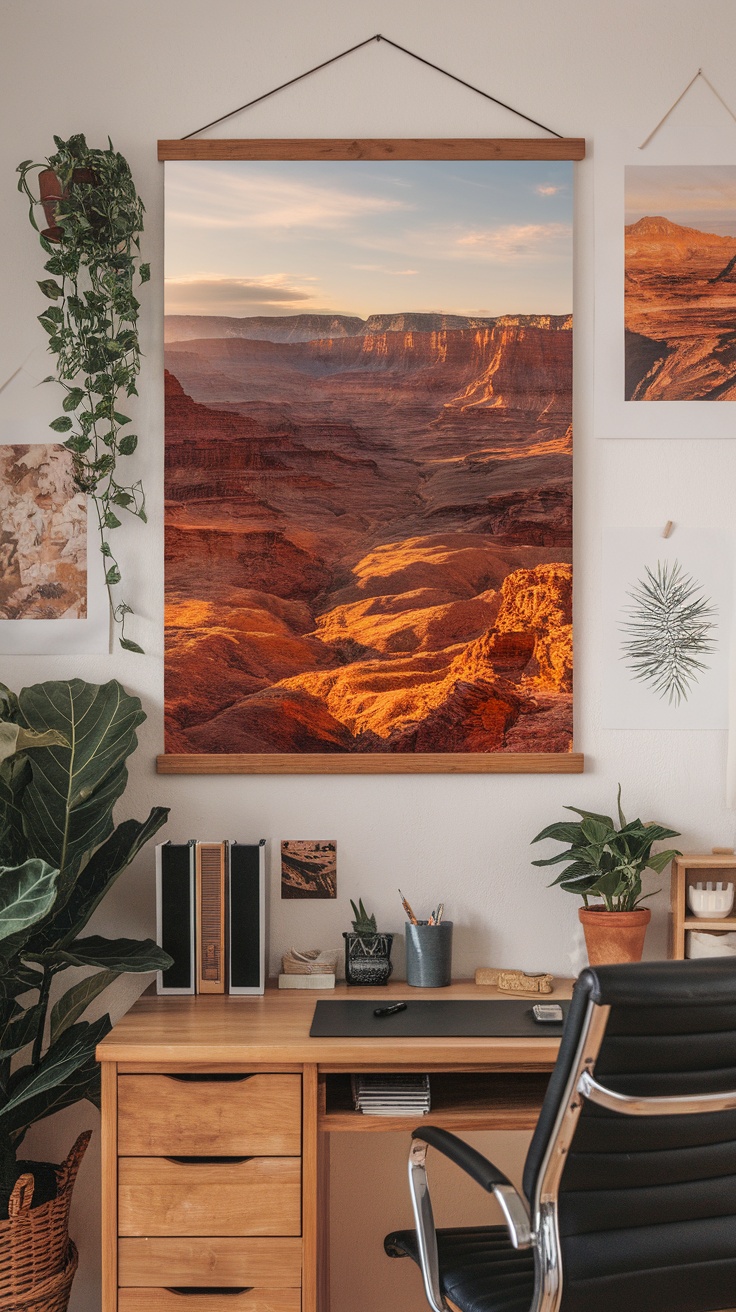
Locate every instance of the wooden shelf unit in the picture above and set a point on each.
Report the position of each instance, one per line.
(483, 1100)
(718, 865)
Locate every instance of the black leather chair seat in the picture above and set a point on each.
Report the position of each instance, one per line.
(481, 1272)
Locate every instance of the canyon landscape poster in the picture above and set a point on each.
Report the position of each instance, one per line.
(369, 459)
(680, 283)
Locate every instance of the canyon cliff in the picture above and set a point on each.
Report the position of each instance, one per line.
(680, 308)
(368, 535)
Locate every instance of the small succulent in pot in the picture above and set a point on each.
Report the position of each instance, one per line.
(367, 952)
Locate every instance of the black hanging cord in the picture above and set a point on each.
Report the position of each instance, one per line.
(369, 41)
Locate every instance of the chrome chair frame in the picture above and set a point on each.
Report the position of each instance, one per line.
(537, 1227)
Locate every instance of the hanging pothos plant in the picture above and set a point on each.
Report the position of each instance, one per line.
(95, 219)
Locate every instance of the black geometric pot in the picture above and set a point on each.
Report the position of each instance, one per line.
(368, 958)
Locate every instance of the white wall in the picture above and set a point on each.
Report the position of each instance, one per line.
(145, 70)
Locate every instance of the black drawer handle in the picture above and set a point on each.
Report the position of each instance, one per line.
(207, 1161)
(221, 1078)
(214, 1291)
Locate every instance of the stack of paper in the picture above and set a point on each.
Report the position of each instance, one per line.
(391, 1095)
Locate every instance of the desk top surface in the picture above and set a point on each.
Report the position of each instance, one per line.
(274, 1029)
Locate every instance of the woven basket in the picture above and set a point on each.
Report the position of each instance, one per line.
(53, 1294)
(37, 1258)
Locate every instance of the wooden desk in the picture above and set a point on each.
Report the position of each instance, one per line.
(216, 1117)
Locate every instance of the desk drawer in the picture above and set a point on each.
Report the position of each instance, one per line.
(162, 1196)
(189, 1299)
(249, 1116)
(259, 1263)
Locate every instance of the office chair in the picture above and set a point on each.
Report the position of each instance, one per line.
(629, 1186)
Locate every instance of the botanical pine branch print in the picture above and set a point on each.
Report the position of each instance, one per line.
(669, 627)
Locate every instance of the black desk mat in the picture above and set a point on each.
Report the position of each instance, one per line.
(443, 1018)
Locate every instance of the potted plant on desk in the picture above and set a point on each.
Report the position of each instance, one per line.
(606, 862)
(367, 953)
(63, 749)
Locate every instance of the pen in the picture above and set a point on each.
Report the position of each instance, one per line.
(440, 913)
(412, 918)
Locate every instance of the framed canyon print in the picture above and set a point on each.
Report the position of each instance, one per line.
(368, 351)
(665, 281)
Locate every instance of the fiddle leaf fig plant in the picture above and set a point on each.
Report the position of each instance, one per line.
(63, 752)
(606, 861)
(91, 322)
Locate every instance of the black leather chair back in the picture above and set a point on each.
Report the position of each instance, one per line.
(647, 1205)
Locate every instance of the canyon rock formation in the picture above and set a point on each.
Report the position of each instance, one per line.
(368, 534)
(680, 313)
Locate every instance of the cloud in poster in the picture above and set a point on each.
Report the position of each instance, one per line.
(271, 202)
(517, 241)
(233, 296)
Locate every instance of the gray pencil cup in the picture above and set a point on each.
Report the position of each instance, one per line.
(429, 955)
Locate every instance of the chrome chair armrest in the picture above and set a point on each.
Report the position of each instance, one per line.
(629, 1105)
(488, 1176)
(424, 1222)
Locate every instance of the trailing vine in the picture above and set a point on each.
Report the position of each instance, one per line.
(93, 247)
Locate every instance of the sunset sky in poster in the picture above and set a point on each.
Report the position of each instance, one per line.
(275, 238)
(695, 196)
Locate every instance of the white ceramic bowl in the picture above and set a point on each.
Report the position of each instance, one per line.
(702, 944)
(710, 901)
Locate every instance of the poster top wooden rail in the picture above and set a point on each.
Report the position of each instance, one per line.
(334, 148)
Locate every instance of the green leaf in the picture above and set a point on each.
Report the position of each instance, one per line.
(15, 775)
(118, 954)
(84, 1082)
(111, 520)
(27, 894)
(74, 1050)
(621, 816)
(75, 1001)
(145, 272)
(61, 425)
(19, 1033)
(51, 289)
(68, 803)
(112, 576)
(122, 498)
(78, 444)
(128, 645)
(73, 398)
(98, 877)
(592, 815)
(565, 831)
(127, 444)
(14, 739)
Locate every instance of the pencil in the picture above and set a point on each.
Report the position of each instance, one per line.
(412, 918)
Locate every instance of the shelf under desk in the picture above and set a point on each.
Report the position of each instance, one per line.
(258, 1087)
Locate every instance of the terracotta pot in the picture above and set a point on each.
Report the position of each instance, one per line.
(51, 192)
(612, 937)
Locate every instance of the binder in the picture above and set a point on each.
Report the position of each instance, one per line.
(246, 919)
(175, 915)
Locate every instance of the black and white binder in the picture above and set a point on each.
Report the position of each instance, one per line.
(247, 918)
(175, 921)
